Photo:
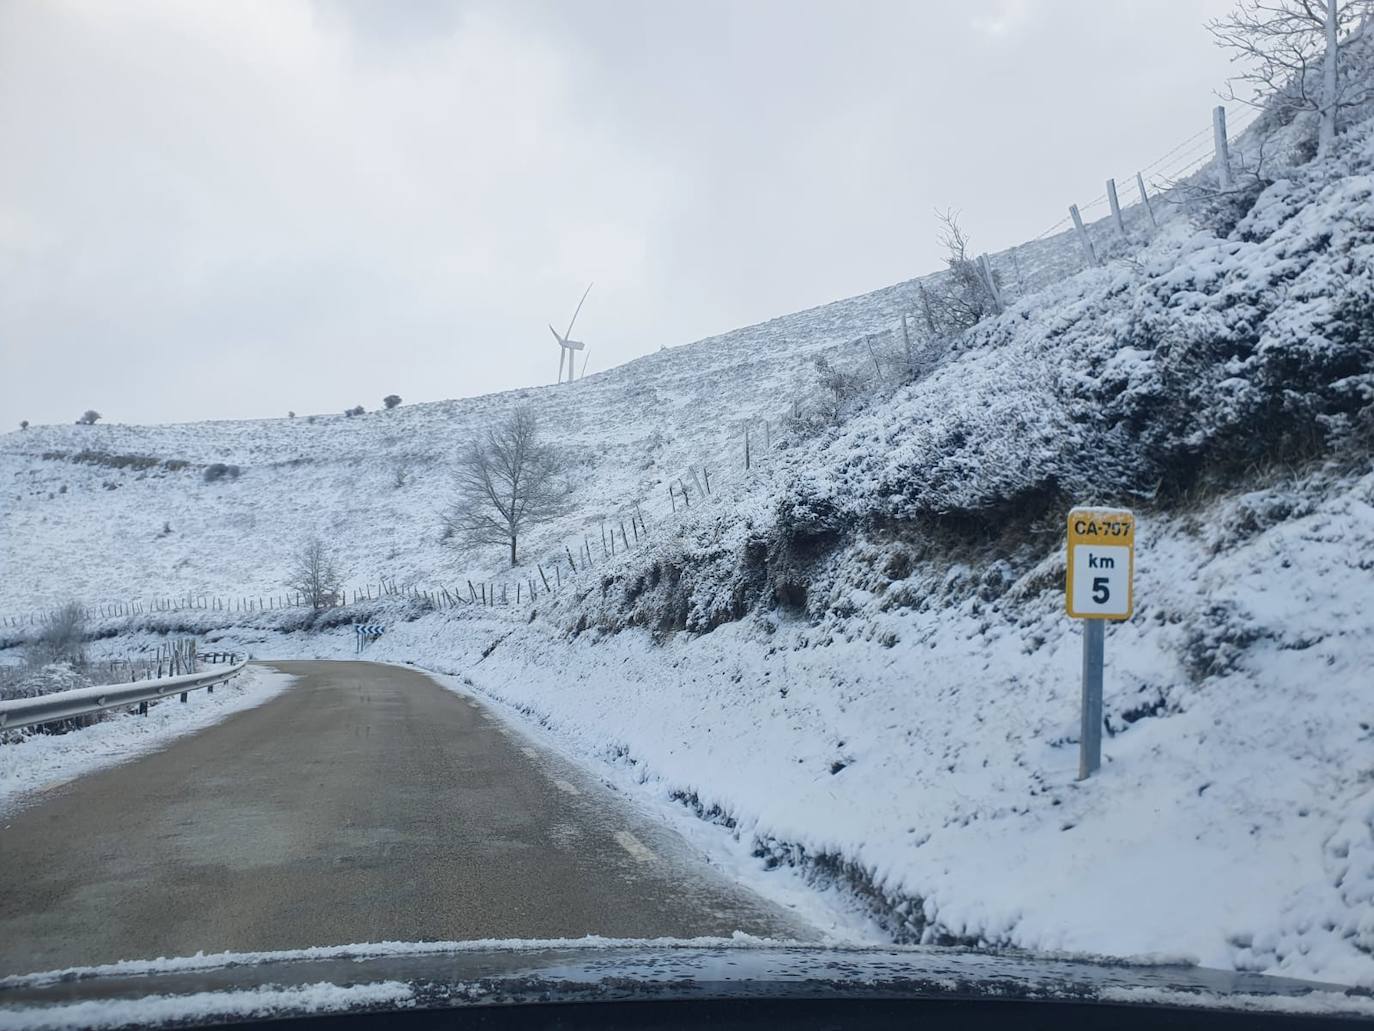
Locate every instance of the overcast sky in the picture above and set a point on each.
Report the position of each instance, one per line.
(232, 209)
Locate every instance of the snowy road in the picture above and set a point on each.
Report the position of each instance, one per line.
(364, 803)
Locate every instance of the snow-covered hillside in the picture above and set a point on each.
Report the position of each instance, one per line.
(854, 656)
(84, 507)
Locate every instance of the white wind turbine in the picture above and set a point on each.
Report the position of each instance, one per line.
(566, 345)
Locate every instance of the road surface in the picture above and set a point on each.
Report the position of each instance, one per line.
(365, 803)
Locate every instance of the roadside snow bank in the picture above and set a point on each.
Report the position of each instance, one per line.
(43, 761)
(1234, 816)
(924, 755)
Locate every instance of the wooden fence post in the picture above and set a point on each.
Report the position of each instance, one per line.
(1145, 199)
(985, 267)
(1083, 234)
(1116, 208)
(1223, 158)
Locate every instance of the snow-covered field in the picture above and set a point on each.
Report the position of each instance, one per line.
(854, 658)
(42, 761)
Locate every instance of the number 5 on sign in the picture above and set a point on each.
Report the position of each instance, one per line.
(1101, 563)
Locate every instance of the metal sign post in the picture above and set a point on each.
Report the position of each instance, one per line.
(1101, 574)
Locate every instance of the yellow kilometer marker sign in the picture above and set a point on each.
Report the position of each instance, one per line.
(1101, 564)
(1100, 587)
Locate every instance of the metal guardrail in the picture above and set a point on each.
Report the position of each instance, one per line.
(64, 705)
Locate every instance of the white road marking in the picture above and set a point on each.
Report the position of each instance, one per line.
(566, 788)
(474, 705)
(634, 846)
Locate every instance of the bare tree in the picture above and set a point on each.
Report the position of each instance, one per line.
(315, 575)
(508, 480)
(1283, 43)
(391, 400)
(88, 418)
(23, 424)
(963, 298)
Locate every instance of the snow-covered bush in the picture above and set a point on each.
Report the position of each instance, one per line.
(59, 640)
(17, 682)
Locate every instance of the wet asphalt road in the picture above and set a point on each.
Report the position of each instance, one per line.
(365, 803)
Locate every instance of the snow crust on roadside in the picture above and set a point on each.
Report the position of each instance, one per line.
(240, 1004)
(42, 761)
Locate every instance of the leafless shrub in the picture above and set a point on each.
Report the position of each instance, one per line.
(89, 417)
(60, 640)
(840, 390)
(391, 401)
(508, 481)
(1218, 209)
(963, 299)
(23, 424)
(356, 410)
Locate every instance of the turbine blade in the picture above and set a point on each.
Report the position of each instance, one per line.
(555, 334)
(578, 311)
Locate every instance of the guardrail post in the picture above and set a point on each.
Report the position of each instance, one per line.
(143, 708)
(183, 696)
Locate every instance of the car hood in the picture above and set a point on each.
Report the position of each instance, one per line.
(390, 975)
